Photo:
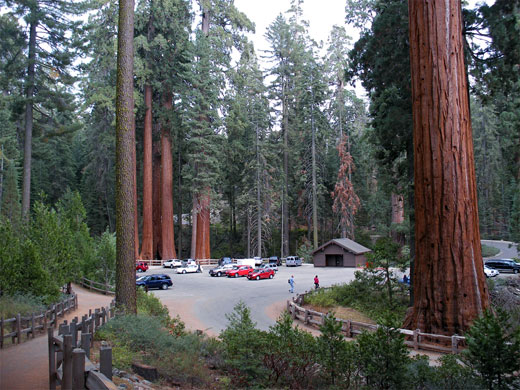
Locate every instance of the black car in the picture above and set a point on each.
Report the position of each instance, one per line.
(504, 265)
(154, 281)
(225, 260)
(275, 260)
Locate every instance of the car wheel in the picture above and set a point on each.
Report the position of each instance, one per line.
(171, 266)
(236, 275)
(270, 276)
(139, 270)
(258, 278)
(515, 271)
(183, 271)
(219, 274)
(164, 286)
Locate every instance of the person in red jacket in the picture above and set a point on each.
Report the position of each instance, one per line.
(316, 282)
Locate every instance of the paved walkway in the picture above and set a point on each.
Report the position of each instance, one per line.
(26, 366)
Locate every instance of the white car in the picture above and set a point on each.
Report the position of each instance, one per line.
(172, 263)
(272, 266)
(190, 268)
(490, 272)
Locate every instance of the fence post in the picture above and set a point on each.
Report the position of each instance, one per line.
(74, 334)
(348, 329)
(2, 332)
(105, 360)
(306, 319)
(96, 318)
(416, 338)
(85, 343)
(455, 344)
(18, 327)
(66, 383)
(52, 359)
(78, 369)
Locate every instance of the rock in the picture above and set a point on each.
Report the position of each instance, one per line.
(147, 372)
(122, 386)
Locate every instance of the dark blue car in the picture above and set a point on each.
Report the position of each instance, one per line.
(154, 281)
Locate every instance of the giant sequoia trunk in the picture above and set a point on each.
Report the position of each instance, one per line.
(203, 225)
(125, 143)
(136, 227)
(147, 242)
(167, 232)
(156, 194)
(449, 283)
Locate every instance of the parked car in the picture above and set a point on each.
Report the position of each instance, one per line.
(258, 260)
(272, 266)
(141, 266)
(190, 268)
(172, 263)
(154, 281)
(241, 270)
(504, 265)
(225, 260)
(490, 272)
(293, 261)
(276, 260)
(261, 273)
(221, 270)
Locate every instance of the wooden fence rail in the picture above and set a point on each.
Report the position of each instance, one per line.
(105, 288)
(16, 327)
(413, 338)
(69, 353)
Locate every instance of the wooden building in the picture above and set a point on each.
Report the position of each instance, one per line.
(340, 252)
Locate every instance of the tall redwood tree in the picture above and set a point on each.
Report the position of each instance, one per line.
(449, 283)
(167, 232)
(125, 164)
(147, 242)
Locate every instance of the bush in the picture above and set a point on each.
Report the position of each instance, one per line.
(494, 350)
(383, 356)
(25, 304)
(489, 251)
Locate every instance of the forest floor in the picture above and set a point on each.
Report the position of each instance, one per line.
(26, 366)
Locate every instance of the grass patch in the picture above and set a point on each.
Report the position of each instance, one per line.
(489, 251)
(24, 304)
(345, 313)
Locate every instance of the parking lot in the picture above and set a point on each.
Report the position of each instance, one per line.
(203, 301)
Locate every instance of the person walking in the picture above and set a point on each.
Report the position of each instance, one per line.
(291, 282)
(316, 282)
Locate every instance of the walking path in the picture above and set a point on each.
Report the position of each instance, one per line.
(26, 366)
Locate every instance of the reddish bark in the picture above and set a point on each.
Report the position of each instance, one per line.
(156, 209)
(194, 219)
(398, 217)
(147, 243)
(167, 232)
(203, 227)
(449, 284)
(136, 225)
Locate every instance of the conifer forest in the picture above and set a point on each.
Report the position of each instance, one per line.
(158, 122)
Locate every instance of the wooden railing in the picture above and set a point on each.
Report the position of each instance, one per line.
(105, 288)
(69, 354)
(31, 325)
(414, 338)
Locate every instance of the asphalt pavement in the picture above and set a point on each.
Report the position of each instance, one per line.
(205, 300)
(508, 249)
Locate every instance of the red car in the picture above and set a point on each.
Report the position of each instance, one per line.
(141, 266)
(241, 270)
(261, 273)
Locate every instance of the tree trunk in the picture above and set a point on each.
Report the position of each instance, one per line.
(194, 220)
(136, 227)
(179, 203)
(258, 197)
(125, 142)
(449, 284)
(27, 157)
(167, 232)
(156, 207)
(285, 193)
(147, 241)
(397, 201)
(314, 183)
(203, 227)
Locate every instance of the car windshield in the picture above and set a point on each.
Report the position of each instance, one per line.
(143, 279)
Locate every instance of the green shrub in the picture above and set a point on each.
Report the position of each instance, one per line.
(494, 350)
(454, 375)
(11, 305)
(149, 305)
(383, 357)
(244, 347)
(489, 251)
(321, 297)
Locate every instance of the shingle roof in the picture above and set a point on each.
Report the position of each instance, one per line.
(346, 243)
